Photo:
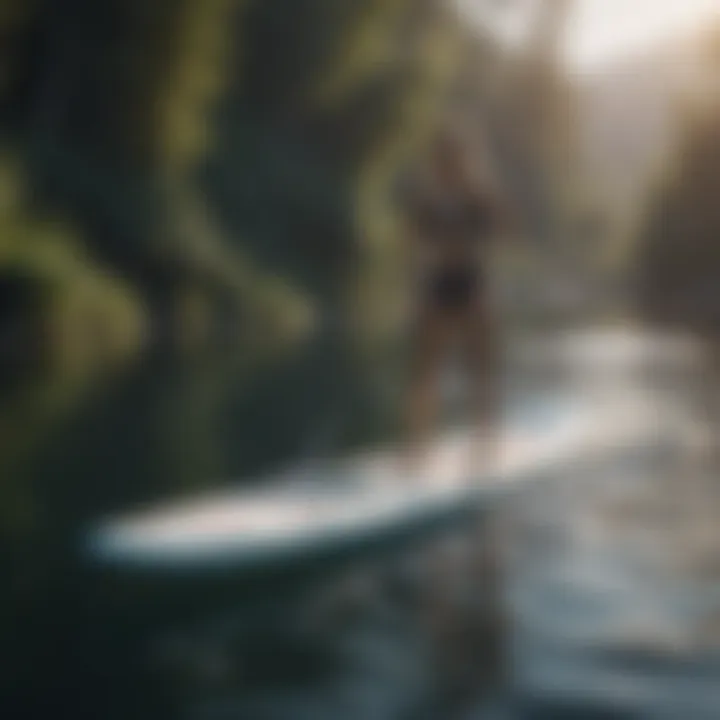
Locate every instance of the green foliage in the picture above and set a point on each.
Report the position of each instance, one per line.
(311, 139)
(81, 314)
(228, 163)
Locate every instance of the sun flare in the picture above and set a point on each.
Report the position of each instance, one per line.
(601, 30)
(598, 31)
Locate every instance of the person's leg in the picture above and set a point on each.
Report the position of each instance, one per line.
(431, 344)
(483, 368)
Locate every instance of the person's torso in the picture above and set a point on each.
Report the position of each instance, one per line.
(453, 226)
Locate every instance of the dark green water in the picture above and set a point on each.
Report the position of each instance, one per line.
(166, 428)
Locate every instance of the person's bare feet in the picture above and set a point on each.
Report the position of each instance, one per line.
(421, 463)
(413, 462)
(483, 453)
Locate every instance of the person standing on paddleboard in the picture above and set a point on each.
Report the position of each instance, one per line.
(452, 214)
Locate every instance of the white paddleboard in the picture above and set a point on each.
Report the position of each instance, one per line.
(305, 509)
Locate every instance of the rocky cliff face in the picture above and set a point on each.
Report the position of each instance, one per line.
(678, 260)
(629, 116)
(222, 149)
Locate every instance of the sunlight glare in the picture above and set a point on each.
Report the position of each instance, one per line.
(602, 30)
(599, 31)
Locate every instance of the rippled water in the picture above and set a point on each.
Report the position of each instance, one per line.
(615, 578)
(612, 596)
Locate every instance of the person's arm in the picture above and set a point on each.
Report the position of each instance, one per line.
(416, 250)
(413, 230)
